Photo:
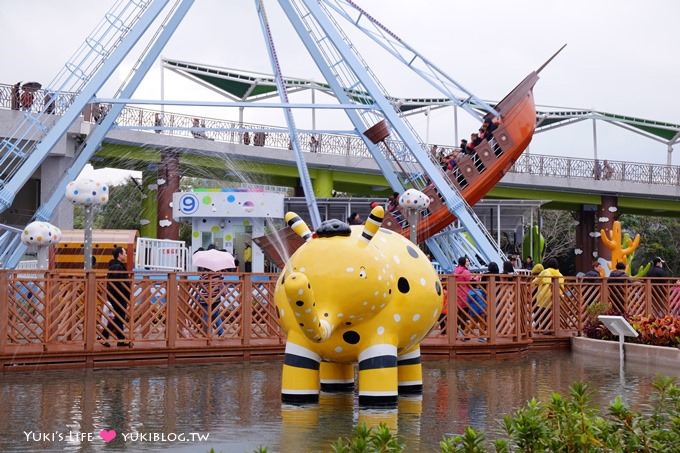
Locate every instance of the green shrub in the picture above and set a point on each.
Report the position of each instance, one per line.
(564, 425)
(575, 425)
(369, 440)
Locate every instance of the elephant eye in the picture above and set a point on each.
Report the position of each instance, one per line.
(362, 272)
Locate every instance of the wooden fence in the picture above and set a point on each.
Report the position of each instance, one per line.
(44, 315)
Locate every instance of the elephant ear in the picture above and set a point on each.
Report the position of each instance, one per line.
(373, 223)
(298, 225)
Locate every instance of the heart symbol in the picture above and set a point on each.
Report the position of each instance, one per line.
(107, 434)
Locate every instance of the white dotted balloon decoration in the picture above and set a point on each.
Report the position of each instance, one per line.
(40, 233)
(414, 199)
(87, 192)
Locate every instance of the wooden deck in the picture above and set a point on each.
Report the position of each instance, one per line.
(51, 320)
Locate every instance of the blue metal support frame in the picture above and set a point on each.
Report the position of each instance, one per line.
(39, 154)
(341, 94)
(305, 180)
(454, 201)
(435, 77)
(45, 212)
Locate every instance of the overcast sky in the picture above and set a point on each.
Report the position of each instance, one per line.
(621, 56)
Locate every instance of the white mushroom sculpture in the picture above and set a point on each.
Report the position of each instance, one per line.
(414, 201)
(87, 193)
(41, 235)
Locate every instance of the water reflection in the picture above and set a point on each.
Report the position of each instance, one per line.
(238, 404)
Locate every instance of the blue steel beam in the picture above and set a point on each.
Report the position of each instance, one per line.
(455, 203)
(435, 77)
(305, 180)
(341, 95)
(39, 154)
(94, 139)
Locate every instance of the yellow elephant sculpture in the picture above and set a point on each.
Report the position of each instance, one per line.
(355, 294)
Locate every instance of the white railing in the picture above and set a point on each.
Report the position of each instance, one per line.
(352, 146)
(160, 255)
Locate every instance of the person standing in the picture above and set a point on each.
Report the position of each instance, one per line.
(657, 269)
(596, 271)
(248, 258)
(355, 219)
(118, 290)
(550, 272)
(464, 278)
(158, 122)
(16, 96)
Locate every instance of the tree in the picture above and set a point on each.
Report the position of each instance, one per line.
(121, 212)
(660, 237)
(559, 232)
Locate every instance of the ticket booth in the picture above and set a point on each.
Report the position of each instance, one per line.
(228, 219)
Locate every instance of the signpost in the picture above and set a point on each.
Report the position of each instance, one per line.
(619, 326)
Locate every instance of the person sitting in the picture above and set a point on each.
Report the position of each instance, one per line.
(483, 132)
(452, 160)
(490, 124)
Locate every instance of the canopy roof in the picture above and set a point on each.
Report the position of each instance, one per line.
(252, 86)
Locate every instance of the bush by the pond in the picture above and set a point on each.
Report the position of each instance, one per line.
(562, 424)
(652, 330)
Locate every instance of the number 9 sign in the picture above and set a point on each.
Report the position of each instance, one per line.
(188, 203)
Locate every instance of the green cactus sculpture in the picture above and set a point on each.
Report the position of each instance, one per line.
(534, 235)
(643, 269)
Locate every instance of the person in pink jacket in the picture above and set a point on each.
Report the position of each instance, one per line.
(463, 277)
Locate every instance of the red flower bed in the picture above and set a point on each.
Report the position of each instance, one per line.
(652, 330)
(662, 331)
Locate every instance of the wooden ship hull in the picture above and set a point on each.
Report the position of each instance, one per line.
(477, 174)
(474, 176)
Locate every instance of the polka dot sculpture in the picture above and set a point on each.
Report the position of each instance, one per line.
(40, 234)
(87, 192)
(355, 294)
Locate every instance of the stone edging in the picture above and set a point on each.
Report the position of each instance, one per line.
(636, 353)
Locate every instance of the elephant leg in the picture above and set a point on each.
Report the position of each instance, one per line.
(378, 375)
(410, 372)
(337, 377)
(300, 376)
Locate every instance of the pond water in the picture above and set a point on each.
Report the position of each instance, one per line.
(237, 405)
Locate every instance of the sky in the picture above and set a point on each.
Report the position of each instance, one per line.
(621, 57)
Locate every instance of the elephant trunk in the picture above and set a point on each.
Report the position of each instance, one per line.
(302, 302)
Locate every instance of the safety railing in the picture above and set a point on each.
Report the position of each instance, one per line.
(85, 311)
(160, 255)
(347, 145)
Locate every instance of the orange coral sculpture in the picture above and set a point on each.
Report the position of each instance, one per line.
(614, 242)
